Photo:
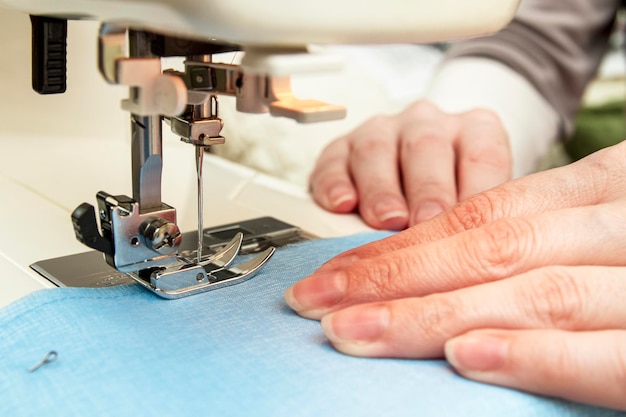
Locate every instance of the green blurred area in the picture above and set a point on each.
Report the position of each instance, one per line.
(597, 127)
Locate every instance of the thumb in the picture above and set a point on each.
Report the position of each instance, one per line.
(587, 367)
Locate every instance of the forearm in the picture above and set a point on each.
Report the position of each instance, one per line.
(556, 45)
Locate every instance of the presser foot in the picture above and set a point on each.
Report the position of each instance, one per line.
(184, 277)
(90, 270)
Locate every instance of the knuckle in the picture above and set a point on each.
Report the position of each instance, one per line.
(430, 190)
(377, 125)
(374, 142)
(493, 148)
(498, 157)
(604, 175)
(371, 281)
(472, 213)
(387, 278)
(556, 298)
(479, 209)
(604, 170)
(421, 109)
(438, 317)
(322, 186)
(424, 138)
(368, 147)
(498, 247)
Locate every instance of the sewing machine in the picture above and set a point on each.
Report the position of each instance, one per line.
(140, 236)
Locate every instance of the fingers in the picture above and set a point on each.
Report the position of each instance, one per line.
(588, 367)
(362, 168)
(427, 159)
(495, 251)
(590, 181)
(374, 166)
(484, 153)
(331, 181)
(574, 298)
(403, 170)
(447, 157)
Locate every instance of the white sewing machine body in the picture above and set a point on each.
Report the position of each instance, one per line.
(141, 235)
(291, 23)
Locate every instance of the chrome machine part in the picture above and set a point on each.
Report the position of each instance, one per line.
(147, 161)
(139, 235)
(254, 92)
(140, 240)
(201, 127)
(184, 277)
(160, 235)
(90, 270)
(199, 163)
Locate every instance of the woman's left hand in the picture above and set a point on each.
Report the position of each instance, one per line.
(520, 286)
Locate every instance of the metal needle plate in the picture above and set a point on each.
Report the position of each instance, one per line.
(89, 269)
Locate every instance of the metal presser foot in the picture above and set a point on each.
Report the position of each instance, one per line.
(146, 248)
(185, 277)
(174, 276)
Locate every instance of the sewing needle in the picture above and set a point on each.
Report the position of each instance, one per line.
(48, 358)
(199, 160)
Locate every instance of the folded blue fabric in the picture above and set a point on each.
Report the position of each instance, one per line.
(237, 351)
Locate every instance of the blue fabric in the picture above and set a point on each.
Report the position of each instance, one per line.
(237, 351)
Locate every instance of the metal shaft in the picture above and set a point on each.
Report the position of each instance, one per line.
(199, 161)
(147, 161)
(147, 141)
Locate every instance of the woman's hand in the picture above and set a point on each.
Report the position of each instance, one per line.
(401, 170)
(522, 286)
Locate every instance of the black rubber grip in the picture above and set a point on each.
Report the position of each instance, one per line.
(49, 54)
(86, 229)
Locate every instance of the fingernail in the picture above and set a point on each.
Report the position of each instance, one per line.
(477, 352)
(357, 325)
(340, 196)
(427, 211)
(316, 293)
(391, 214)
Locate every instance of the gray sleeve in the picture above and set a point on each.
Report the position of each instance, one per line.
(556, 44)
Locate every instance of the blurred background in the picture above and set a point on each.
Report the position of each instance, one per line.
(375, 79)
